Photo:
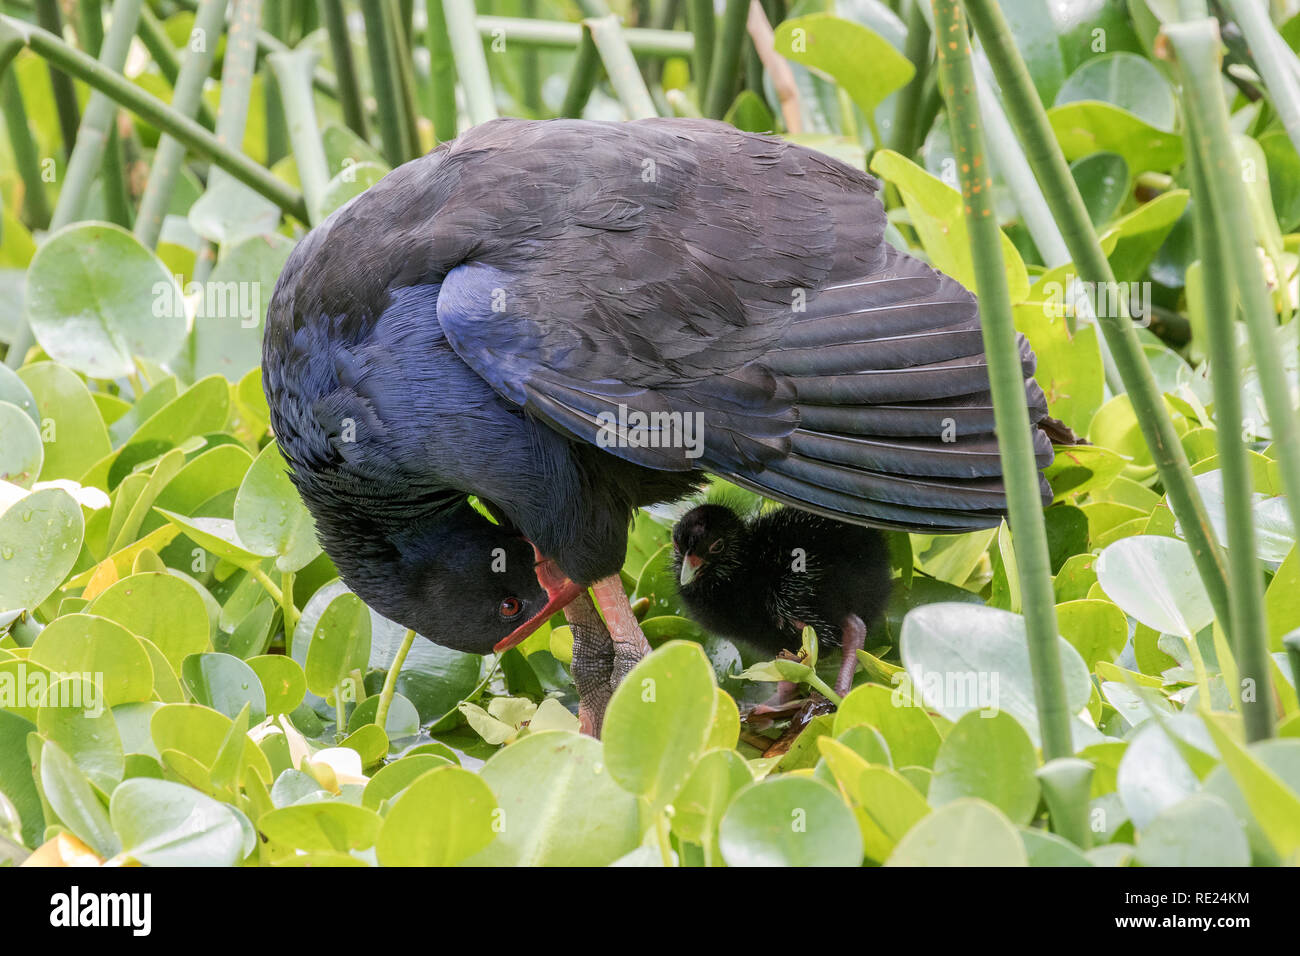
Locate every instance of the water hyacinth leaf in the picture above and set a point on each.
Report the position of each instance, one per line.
(962, 657)
(1274, 534)
(270, 517)
(864, 63)
(1200, 830)
(40, 538)
(1096, 629)
(990, 757)
(217, 535)
(225, 684)
(16, 780)
(699, 806)
(204, 477)
(74, 716)
(1154, 579)
(966, 832)
(200, 409)
(340, 643)
(72, 429)
(103, 649)
(1126, 80)
(325, 825)
(912, 738)
(85, 290)
(1274, 805)
(393, 778)
(1282, 757)
(21, 451)
(283, 682)
(73, 801)
(885, 802)
(227, 334)
(658, 721)
(1102, 179)
(1089, 126)
(548, 787)
(1152, 776)
(167, 824)
(789, 821)
(441, 819)
(14, 391)
(161, 607)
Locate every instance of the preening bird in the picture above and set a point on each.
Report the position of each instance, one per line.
(763, 580)
(541, 313)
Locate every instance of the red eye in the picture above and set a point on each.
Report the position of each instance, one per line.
(510, 607)
(715, 547)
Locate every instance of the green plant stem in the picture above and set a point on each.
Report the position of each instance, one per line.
(273, 589)
(621, 67)
(116, 190)
(703, 28)
(390, 680)
(90, 26)
(154, 111)
(1196, 50)
(400, 40)
(442, 73)
(663, 839)
(726, 59)
(819, 685)
(1006, 380)
(530, 77)
(1029, 119)
(50, 19)
(907, 107)
(288, 610)
(293, 76)
(553, 34)
(586, 70)
(386, 83)
(471, 63)
(26, 157)
(344, 66)
(187, 95)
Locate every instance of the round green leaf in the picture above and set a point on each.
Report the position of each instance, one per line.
(161, 607)
(96, 297)
(1154, 579)
(392, 779)
(990, 757)
(225, 684)
(698, 807)
(1131, 82)
(88, 734)
(789, 821)
(658, 721)
(550, 786)
(1199, 830)
(282, 679)
(69, 794)
(167, 824)
(863, 62)
(71, 426)
(270, 517)
(966, 832)
(21, 452)
(100, 649)
(323, 825)
(443, 818)
(40, 538)
(340, 643)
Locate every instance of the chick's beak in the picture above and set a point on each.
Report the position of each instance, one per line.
(560, 591)
(691, 564)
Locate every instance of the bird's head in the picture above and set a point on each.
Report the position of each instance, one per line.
(706, 542)
(465, 583)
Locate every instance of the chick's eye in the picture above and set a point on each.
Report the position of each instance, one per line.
(510, 607)
(715, 547)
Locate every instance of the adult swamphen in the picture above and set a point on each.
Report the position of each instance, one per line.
(572, 319)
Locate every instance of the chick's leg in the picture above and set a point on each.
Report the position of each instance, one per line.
(853, 635)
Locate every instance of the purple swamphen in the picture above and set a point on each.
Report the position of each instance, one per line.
(569, 320)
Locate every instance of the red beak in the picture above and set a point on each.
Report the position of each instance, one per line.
(560, 591)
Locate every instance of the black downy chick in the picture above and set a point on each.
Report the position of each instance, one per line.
(762, 581)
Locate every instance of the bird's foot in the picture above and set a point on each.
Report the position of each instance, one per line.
(604, 651)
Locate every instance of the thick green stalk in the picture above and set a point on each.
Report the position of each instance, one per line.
(90, 26)
(726, 59)
(442, 73)
(400, 40)
(556, 35)
(344, 66)
(1006, 380)
(530, 76)
(907, 137)
(116, 190)
(49, 18)
(703, 27)
(1248, 627)
(159, 45)
(586, 70)
(386, 83)
(621, 67)
(26, 157)
(1196, 54)
(186, 96)
(293, 72)
(1029, 119)
(390, 680)
(92, 135)
(471, 63)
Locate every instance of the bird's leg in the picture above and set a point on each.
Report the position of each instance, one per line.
(853, 635)
(593, 663)
(604, 651)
